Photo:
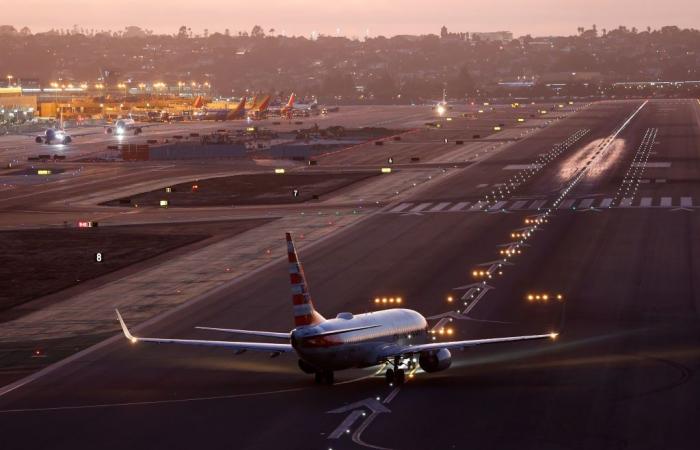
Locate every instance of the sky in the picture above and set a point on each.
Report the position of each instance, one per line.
(353, 18)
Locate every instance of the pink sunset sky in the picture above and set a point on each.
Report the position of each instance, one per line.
(352, 18)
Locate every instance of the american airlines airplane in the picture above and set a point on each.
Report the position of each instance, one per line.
(123, 126)
(396, 337)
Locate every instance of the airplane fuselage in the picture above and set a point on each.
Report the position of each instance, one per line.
(123, 126)
(361, 348)
(53, 136)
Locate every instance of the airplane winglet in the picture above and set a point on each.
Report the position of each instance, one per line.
(125, 329)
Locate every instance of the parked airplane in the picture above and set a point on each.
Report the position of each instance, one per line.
(292, 108)
(395, 337)
(222, 114)
(259, 110)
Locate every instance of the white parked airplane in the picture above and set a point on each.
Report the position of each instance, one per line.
(394, 337)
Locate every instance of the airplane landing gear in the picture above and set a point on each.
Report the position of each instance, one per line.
(397, 376)
(324, 377)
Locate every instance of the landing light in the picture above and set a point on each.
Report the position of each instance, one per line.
(553, 335)
(279, 171)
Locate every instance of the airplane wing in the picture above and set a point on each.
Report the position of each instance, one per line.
(270, 334)
(409, 349)
(239, 346)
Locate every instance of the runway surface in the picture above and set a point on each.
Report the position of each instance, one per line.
(619, 376)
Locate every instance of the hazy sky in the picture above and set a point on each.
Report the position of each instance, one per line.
(354, 17)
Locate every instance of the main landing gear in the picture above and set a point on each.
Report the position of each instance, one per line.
(396, 375)
(324, 377)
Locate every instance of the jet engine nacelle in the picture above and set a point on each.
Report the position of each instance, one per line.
(109, 130)
(435, 360)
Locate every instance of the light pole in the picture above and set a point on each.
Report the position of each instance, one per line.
(9, 80)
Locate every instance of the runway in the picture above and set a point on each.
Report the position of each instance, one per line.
(619, 376)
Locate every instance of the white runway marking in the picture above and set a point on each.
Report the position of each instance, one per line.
(421, 207)
(459, 206)
(401, 207)
(566, 204)
(586, 203)
(519, 204)
(439, 206)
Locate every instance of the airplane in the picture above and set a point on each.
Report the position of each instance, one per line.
(393, 337)
(259, 110)
(123, 126)
(292, 108)
(57, 135)
(54, 136)
(442, 106)
(237, 112)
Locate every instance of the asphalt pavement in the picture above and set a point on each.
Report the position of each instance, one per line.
(620, 375)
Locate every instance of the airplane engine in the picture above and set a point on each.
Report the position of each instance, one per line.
(109, 130)
(435, 360)
(38, 140)
(306, 367)
(67, 140)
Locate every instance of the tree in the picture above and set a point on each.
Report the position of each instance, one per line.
(257, 32)
(25, 31)
(463, 84)
(338, 83)
(7, 30)
(182, 32)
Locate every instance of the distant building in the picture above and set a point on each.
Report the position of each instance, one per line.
(492, 36)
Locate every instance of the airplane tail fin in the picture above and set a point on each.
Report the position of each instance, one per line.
(264, 103)
(290, 103)
(304, 312)
(198, 102)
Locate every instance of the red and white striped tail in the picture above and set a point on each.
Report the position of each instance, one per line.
(304, 312)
